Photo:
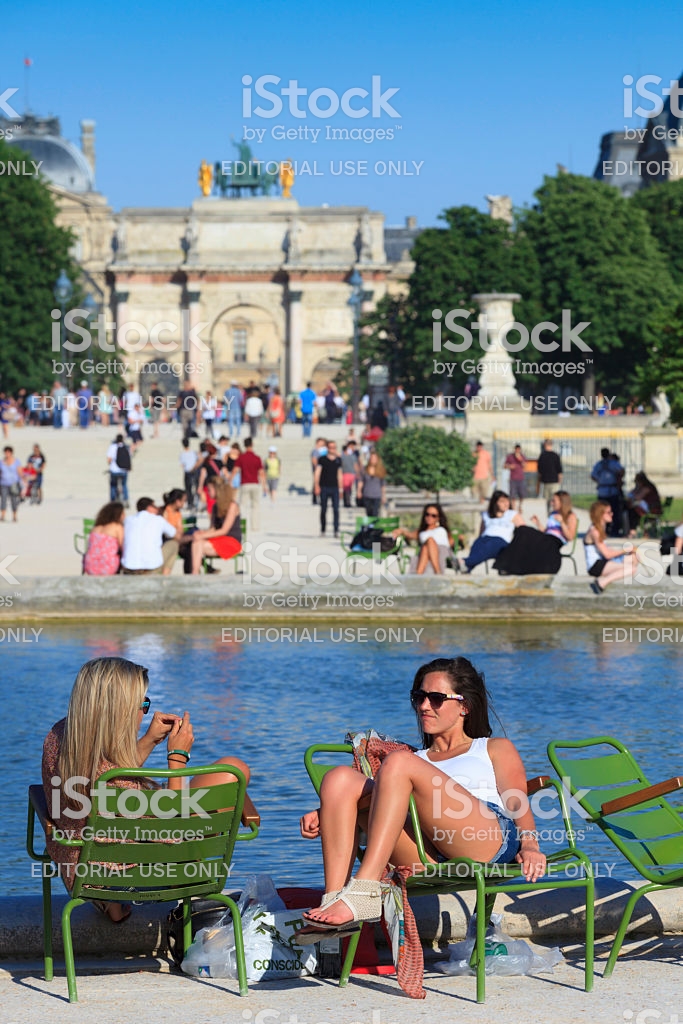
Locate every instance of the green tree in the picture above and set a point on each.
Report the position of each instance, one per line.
(663, 206)
(664, 367)
(426, 459)
(597, 257)
(33, 250)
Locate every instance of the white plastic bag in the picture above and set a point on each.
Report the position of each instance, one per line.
(505, 957)
(267, 927)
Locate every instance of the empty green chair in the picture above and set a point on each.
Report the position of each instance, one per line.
(633, 814)
(81, 539)
(148, 869)
(488, 880)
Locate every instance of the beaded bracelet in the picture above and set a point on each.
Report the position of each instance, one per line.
(181, 753)
(527, 833)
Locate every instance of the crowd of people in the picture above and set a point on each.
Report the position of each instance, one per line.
(20, 483)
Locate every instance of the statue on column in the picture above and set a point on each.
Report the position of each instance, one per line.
(292, 242)
(190, 238)
(118, 242)
(500, 208)
(365, 239)
(204, 178)
(662, 409)
(286, 178)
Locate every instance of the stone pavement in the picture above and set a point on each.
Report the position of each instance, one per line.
(645, 988)
(76, 485)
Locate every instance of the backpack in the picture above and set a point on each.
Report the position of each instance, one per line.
(606, 475)
(123, 457)
(369, 535)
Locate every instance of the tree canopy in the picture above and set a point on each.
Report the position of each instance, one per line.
(33, 251)
(426, 459)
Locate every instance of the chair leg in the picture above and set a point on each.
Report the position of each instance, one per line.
(239, 942)
(69, 949)
(576, 571)
(187, 924)
(590, 932)
(348, 959)
(480, 943)
(625, 920)
(47, 923)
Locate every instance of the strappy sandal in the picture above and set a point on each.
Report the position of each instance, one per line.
(362, 896)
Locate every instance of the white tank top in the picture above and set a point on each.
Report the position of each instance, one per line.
(472, 770)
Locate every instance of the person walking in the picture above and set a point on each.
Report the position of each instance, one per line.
(371, 485)
(253, 410)
(233, 400)
(118, 457)
(319, 449)
(349, 471)
(393, 407)
(273, 470)
(189, 460)
(549, 471)
(10, 483)
(59, 396)
(186, 405)
(329, 484)
(307, 399)
(209, 404)
(276, 412)
(156, 404)
(253, 477)
(84, 398)
(516, 463)
(608, 474)
(483, 472)
(104, 405)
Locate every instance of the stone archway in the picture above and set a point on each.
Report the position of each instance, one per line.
(324, 372)
(246, 345)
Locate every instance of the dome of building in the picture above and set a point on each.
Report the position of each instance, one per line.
(62, 163)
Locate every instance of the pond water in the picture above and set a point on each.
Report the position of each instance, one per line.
(268, 701)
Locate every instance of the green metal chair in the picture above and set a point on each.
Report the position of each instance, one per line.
(81, 539)
(633, 814)
(146, 868)
(488, 880)
(208, 560)
(652, 522)
(386, 524)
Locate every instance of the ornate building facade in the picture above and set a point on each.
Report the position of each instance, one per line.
(261, 282)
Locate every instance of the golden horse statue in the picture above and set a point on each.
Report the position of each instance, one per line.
(286, 178)
(205, 177)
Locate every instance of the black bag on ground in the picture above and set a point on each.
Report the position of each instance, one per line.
(667, 542)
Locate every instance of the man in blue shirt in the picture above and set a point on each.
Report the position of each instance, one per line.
(233, 399)
(307, 397)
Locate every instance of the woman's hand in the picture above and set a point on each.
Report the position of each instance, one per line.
(532, 861)
(160, 726)
(536, 521)
(181, 736)
(310, 825)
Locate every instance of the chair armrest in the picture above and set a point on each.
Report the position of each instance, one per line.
(536, 784)
(250, 816)
(641, 796)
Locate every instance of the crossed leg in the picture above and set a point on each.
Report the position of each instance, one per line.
(454, 822)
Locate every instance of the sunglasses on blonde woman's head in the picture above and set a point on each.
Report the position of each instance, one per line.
(144, 707)
(418, 697)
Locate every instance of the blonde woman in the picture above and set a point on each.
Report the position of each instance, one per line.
(224, 536)
(562, 522)
(371, 485)
(100, 732)
(605, 564)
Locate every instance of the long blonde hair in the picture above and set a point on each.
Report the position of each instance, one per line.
(375, 466)
(225, 495)
(102, 720)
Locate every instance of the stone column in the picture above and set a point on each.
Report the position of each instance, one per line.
(120, 318)
(295, 331)
(660, 460)
(198, 361)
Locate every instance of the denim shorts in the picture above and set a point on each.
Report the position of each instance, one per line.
(510, 846)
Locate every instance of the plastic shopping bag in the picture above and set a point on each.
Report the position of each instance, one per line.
(268, 929)
(505, 956)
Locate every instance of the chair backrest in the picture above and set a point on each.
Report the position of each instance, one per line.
(316, 770)
(650, 835)
(88, 527)
(162, 844)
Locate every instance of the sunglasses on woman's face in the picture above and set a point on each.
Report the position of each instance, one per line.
(418, 697)
(431, 515)
(144, 707)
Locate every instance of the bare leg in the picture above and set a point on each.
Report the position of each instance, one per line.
(443, 807)
(614, 571)
(429, 555)
(342, 791)
(200, 548)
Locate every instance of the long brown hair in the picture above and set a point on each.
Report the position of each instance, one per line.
(565, 504)
(596, 511)
(225, 495)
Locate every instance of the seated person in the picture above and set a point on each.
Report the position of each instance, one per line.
(643, 500)
(144, 547)
(102, 557)
(498, 524)
(482, 789)
(224, 536)
(100, 732)
(531, 551)
(434, 539)
(602, 562)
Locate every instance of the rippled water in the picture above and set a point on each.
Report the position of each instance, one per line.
(268, 701)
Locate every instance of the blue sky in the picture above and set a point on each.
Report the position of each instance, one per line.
(491, 96)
